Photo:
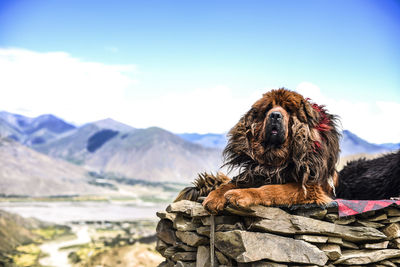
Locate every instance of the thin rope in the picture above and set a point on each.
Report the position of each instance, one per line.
(212, 240)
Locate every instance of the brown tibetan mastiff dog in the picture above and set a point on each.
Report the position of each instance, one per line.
(285, 149)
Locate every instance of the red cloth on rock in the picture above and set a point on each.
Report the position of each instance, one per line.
(352, 207)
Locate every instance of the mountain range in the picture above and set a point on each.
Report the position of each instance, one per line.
(114, 149)
(32, 131)
(351, 144)
(26, 172)
(151, 154)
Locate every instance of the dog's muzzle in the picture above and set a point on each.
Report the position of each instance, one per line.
(275, 129)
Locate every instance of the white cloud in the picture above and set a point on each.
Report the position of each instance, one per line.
(373, 121)
(34, 83)
(200, 110)
(58, 83)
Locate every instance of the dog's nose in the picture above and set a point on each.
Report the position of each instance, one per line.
(275, 115)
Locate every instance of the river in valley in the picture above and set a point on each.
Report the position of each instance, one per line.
(75, 214)
(65, 212)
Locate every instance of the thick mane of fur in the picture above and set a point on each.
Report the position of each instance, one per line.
(307, 156)
(202, 186)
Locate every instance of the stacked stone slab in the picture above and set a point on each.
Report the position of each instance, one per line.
(269, 236)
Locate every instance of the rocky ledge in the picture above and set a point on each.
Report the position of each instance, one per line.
(270, 236)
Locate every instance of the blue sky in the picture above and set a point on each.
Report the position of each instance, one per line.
(197, 66)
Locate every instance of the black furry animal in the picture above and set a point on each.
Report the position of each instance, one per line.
(370, 179)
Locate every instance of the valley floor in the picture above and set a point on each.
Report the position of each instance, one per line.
(104, 245)
(102, 233)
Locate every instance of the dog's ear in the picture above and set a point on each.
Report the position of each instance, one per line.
(307, 113)
(244, 130)
(238, 148)
(248, 120)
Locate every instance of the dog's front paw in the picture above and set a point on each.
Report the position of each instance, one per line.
(214, 203)
(243, 197)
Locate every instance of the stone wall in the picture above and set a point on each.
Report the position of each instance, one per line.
(268, 236)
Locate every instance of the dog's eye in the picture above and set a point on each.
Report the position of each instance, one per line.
(290, 111)
(268, 109)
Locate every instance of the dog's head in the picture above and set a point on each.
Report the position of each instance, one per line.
(283, 131)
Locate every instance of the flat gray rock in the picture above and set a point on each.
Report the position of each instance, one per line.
(166, 215)
(385, 263)
(369, 224)
(392, 231)
(191, 208)
(161, 246)
(191, 238)
(317, 213)
(377, 218)
(257, 211)
(391, 220)
(203, 230)
(391, 211)
(247, 247)
(293, 224)
(199, 211)
(221, 219)
(380, 245)
(335, 240)
(182, 223)
(165, 232)
(395, 243)
(185, 247)
(348, 244)
(396, 260)
(276, 225)
(312, 238)
(362, 257)
(170, 251)
(184, 256)
(222, 259)
(203, 257)
(333, 251)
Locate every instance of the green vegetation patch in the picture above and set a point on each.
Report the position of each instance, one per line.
(85, 252)
(52, 232)
(27, 255)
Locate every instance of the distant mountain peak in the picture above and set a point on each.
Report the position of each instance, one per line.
(51, 123)
(46, 116)
(351, 144)
(112, 124)
(31, 131)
